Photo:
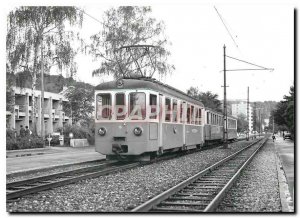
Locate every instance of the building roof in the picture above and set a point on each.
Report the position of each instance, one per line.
(54, 96)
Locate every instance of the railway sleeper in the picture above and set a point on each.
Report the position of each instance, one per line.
(211, 183)
(194, 194)
(189, 199)
(186, 204)
(208, 187)
(172, 209)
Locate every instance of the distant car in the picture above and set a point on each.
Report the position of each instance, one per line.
(287, 136)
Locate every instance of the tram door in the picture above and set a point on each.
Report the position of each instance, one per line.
(184, 107)
(161, 111)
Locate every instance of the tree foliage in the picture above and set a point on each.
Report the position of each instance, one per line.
(284, 112)
(209, 99)
(124, 26)
(29, 29)
(242, 124)
(80, 106)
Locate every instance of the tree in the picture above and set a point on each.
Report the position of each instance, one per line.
(124, 26)
(289, 112)
(33, 31)
(80, 106)
(209, 99)
(284, 112)
(242, 124)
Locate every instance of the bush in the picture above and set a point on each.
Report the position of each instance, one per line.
(79, 132)
(15, 143)
(55, 140)
(11, 144)
(24, 143)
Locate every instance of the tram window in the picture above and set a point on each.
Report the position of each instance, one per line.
(174, 110)
(137, 105)
(168, 110)
(153, 106)
(199, 117)
(120, 106)
(192, 115)
(207, 115)
(188, 114)
(103, 106)
(196, 116)
(181, 112)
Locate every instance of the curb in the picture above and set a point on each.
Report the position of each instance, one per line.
(35, 170)
(287, 203)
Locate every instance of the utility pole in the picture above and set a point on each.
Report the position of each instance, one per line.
(259, 117)
(247, 136)
(273, 124)
(42, 90)
(225, 133)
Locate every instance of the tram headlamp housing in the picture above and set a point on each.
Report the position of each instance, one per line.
(102, 131)
(137, 131)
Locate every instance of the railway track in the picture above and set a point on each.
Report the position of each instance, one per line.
(203, 191)
(25, 187)
(29, 186)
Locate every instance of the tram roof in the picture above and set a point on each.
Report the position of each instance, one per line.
(148, 83)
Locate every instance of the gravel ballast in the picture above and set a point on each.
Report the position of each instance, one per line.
(122, 191)
(257, 189)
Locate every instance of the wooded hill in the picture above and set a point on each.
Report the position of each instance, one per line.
(52, 83)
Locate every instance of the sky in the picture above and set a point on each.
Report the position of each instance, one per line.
(263, 34)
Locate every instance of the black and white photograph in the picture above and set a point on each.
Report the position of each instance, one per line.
(126, 107)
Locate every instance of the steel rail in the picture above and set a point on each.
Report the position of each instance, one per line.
(30, 188)
(215, 202)
(146, 206)
(61, 174)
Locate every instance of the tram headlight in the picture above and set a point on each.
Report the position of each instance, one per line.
(137, 131)
(102, 131)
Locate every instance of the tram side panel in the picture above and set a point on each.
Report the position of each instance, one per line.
(232, 134)
(172, 135)
(194, 135)
(207, 132)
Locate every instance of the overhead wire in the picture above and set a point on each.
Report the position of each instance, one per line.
(226, 27)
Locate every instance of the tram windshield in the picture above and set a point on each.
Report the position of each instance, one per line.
(137, 105)
(120, 106)
(103, 104)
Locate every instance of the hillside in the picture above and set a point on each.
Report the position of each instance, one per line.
(52, 83)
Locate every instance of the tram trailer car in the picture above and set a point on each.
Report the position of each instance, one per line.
(138, 118)
(214, 127)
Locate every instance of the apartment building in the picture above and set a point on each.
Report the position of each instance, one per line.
(54, 116)
(241, 108)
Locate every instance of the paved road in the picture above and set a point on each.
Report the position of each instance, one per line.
(285, 150)
(51, 157)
